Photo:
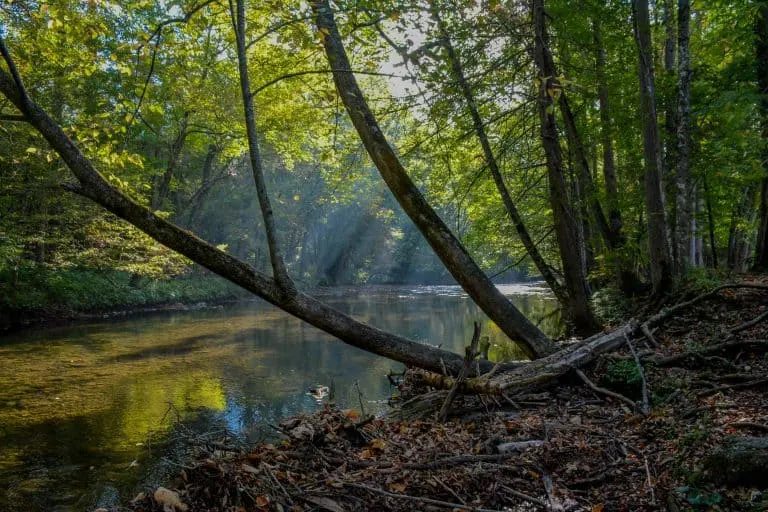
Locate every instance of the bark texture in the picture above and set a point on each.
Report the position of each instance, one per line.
(493, 166)
(683, 233)
(447, 247)
(761, 51)
(606, 134)
(275, 255)
(566, 227)
(658, 242)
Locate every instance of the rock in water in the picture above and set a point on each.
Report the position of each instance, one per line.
(740, 461)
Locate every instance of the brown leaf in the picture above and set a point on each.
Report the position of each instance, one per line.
(398, 487)
(325, 503)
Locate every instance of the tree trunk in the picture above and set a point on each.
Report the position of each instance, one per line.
(490, 160)
(606, 134)
(450, 251)
(282, 278)
(611, 238)
(761, 51)
(94, 186)
(163, 183)
(742, 217)
(566, 228)
(682, 176)
(711, 222)
(192, 209)
(658, 243)
(670, 122)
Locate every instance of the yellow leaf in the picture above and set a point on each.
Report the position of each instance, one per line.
(113, 57)
(31, 150)
(398, 487)
(378, 444)
(350, 414)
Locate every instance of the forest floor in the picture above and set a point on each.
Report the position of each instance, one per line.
(569, 447)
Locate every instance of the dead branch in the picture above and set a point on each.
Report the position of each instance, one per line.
(660, 317)
(460, 460)
(649, 336)
(746, 325)
(750, 424)
(644, 383)
(444, 504)
(523, 496)
(471, 354)
(672, 360)
(607, 392)
(741, 385)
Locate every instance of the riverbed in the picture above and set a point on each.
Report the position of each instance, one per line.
(89, 413)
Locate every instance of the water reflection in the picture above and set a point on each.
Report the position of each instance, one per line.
(78, 404)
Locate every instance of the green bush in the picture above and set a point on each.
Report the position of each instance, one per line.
(32, 289)
(623, 377)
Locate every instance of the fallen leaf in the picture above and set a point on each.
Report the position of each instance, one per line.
(325, 503)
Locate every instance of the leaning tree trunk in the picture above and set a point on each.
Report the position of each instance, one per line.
(566, 228)
(445, 244)
(658, 243)
(95, 187)
(279, 271)
(493, 166)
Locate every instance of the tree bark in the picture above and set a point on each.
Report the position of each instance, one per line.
(611, 238)
(447, 247)
(606, 134)
(711, 223)
(658, 243)
(682, 176)
(743, 215)
(282, 278)
(566, 228)
(761, 52)
(95, 187)
(493, 166)
(670, 122)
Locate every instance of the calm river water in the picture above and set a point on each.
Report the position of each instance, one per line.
(89, 413)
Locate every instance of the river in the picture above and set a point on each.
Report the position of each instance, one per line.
(90, 413)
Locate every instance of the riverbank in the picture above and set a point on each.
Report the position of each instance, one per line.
(584, 444)
(35, 296)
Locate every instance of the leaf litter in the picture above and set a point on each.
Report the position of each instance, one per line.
(566, 448)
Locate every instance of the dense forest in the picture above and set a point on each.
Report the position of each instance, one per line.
(615, 151)
(608, 145)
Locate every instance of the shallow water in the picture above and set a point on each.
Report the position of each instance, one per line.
(89, 412)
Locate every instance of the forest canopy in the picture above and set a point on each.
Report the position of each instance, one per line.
(614, 145)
